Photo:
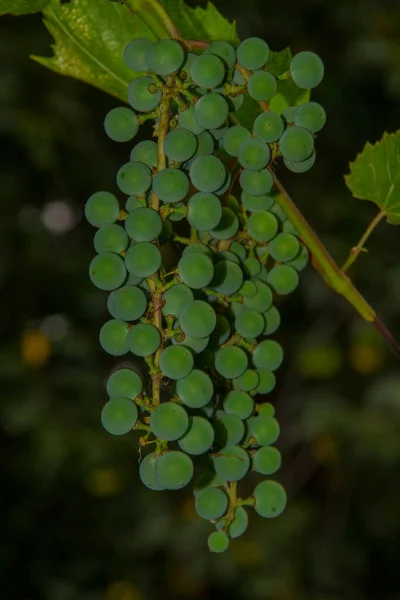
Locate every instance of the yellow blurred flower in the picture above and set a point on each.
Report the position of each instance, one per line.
(35, 348)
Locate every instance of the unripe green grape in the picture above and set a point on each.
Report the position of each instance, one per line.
(272, 319)
(124, 383)
(119, 416)
(239, 250)
(144, 339)
(228, 278)
(311, 116)
(133, 203)
(180, 144)
(283, 279)
(143, 259)
(102, 208)
(221, 332)
(262, 86)
(134, 178)
(249, 323)
(253, 154)
(169, 421)
(239, 524)
(296, 143)
(227, 227)
(279, 212)
(187, 120)
(266, 408)
(248, 289)
(224, 50)
(252, 267)
(174, 470)
(218, 541)
(111, 238)
(268, 354)
(197, 248)
(253, 53)
(143, 225)
(223, 255)
(211, 111)
(262, 299)
(239, 404)
(207, 173)
(113, 337)
(165, 57)
(196, 389)
(248, 382)
(145, 152)
(205, 211)
(267, 460)
(268, 127)
(143, 94)
(198, 438)
(176, 362)
(229, 429)
(222, 190)
(211, 503)
(121, 124)
(262, 226)
(263, 274)
(270, 499)
(264, 429)
(290, 114)
(232, 463)
(307, 70)
(256, 183)
(129, 303)
(147, 473)
(231, 362)
(206, 144)
(284, 247)
(301, 261)
(176, 298)
(198, 319)
(233, 139)
(171, 185)
(107, 271)
(207, 70)
(135, 54)
(196, 270)
(301, 166)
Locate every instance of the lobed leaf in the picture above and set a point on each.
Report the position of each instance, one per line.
(22, 7)
(288, 94)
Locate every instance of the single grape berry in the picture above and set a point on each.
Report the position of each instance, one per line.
(198, 319)
(121, 124)
(270, 499)
(218, 541)
(143, 225)
(268, 127)
(196, 270)
(229, 429)
(169, 421)
(211, 503)
(143, 339)
(296, 143)
(145, 152)
(256, 203)
(232, 463)
(102, 208)
(176, 362)
(113, 337)
(311, 116)
(143, 259)
(231, 362)
(171, 185)
(207, 70)
(175, 299)
(239, 403)
(124, 383)
(205, 211)
(264, 429)
(233, 138)
(119, 416)
(262, 86)
(107, 271)
(134, 178)
(268, 354)
(227, 227)
(180, 144)
(111, 238)
(300, 166)
(228, 277)
(174, 470)
(147, 472)
(143, 94)
(254, 154)
(129, 303)
(256, 183)
(307, 70)
(135, 54)
(267, 460)
(211, 111)
(198, 438)
(284, 279)
(262, 226)
(224, 50)
(253, 53)
(165, 57)
(196, 389)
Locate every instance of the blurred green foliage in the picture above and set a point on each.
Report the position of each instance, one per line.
(77, 524)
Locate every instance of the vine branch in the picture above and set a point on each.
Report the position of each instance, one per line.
(356, 251)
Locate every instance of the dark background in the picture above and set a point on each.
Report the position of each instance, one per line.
(76, 522)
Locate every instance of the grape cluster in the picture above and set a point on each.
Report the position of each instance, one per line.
(206, 327)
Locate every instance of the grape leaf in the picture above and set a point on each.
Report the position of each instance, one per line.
(375, 175)
(21, 7)
(288, 94)
(278, 62)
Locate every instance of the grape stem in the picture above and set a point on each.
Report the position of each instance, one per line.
(356, 250)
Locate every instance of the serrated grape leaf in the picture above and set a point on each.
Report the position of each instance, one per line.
(375, 175)
(278, 62)
(21, 7)
(288, 94)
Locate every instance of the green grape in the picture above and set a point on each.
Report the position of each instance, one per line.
(227, 227)
(196, 389)
(301, 261)
(248, 382)
(180, 144)
(133, 280)
(121, 124)
(110, 307)
(143, 259)
(231, 362)
(256, 183)
(279, 213)
(290, 113)
(307, 70)
(221, 332)
(194, 248)
(262, 86)
(113, 337)
(211, 503)
(198, 438)
(284, 247)
(226, 255)
(195, 344)
(256, 203)
(145, 152)
(107, 271)
(239, 404)
(207, 70)
(239, 524)
(263, 274)
(176, 362)
(129, 303)
(301, 166)
(218, 541)
(267, 460)
(134, 178)
(262, 299)
(262, 226)
(270, 499)
(187, 120)
(296, 143)
(266, 409)
(248, 289)
(135, 54)
(224, 50)
(207, 173)
(311, 116)
(211, 111)
(165, 57)
(272, 319)
(174, 470)
(264, 429)
(133, 203)
(234, 137)
(228, 278)
(143, 225)
(205, 211)
(171, 185)
(176, 298)
(198, 319)
(111, 238)
(169, 421)
(268, 354)
(268, 127)
(143, 94)
(144, 339)
(249, 323)
(229, 429)
(232, 463)
(196, 270)
(252, 266)
(239, 250)
(119, 416)
(253, 53)
(283, 279)
(254, 155)
(102, 208)
(222, 190)
(147, 473)
(124, 383)
(206, 144)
